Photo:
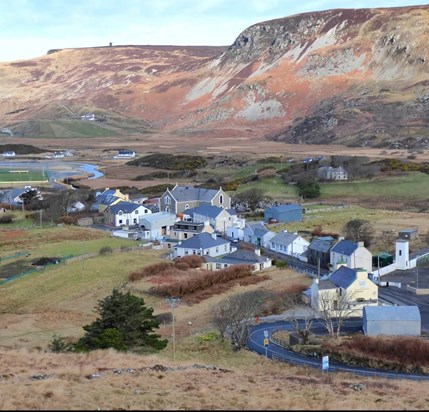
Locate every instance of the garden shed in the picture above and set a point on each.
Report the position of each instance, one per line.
(391, 320)
(382, 259)
(284, 213)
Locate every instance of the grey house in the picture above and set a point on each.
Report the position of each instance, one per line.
(319, 251)
(181, 198)
(391, 320)
(252, 258)
(284, 213)
(219, 218)
(157, 226)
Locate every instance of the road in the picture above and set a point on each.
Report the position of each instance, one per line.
(256, 338)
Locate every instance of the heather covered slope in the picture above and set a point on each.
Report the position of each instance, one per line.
(350, 76)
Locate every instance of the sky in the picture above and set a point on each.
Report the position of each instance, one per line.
(30, 28)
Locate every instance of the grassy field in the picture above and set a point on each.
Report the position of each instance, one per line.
(22, 175)
(410, 185)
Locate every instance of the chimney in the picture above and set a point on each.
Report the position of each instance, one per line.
(214, 235)
(258, 252)
(360, 244)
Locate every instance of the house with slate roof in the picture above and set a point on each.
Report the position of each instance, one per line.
(183, 229)
(203, 244)
(257, 234)
(351, 254)
(107, 198)
(288, 243)
(219, 218)
(319, 251)
(346, 290)
(252, 258)
(124, 214)
(181, 198)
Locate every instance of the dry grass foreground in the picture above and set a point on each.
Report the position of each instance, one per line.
(107, 380)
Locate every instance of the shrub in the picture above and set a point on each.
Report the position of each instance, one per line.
(150, 270)
(164, 318)
(280, 264)
(105, 250)
(182, 266)
(67, 220)
(193, 261)
(7, 218)
(59, 344)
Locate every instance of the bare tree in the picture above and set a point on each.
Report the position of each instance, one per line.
(334, 307)
(359, 230)
(301, 324)
(387, 238)
(234, 314)
(250, 198)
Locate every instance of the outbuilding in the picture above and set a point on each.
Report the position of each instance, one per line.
(284, 213)
(391, 321)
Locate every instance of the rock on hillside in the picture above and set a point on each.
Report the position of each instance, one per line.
(357, 77)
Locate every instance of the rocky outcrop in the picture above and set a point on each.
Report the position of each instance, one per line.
(350, 76)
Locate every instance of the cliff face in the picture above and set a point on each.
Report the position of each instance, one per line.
(352, 76)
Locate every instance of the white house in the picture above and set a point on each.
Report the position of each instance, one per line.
(252, 258)
(124, 214)
(290, 244)
(203, 244)
(353, 255)
(156, 226)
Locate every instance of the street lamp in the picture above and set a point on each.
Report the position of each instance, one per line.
(173, 302)
(190, 328)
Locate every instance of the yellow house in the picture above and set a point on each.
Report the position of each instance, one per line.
(345, 293)
(109, 197)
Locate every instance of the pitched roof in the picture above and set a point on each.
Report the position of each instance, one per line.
(284, 238)
(187, 193)
(322, 244)
(257, 228)
(205, 210)
(239, 257)
(390, 313)
(126, 207)
(158, 217)
(345, 247)
(202, 241)
(343, 277)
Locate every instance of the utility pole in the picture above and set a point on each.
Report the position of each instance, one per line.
(173, 302)
(40, 216)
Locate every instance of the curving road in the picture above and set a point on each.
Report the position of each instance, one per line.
(255, 343)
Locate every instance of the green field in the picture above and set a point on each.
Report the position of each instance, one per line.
(22, 175)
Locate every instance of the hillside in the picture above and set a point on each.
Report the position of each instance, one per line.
(357, 77)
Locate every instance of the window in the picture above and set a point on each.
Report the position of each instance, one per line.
(221, 199)
(167, 200)
(120, 221)
(194, 252)
(217, 249)
(135, 220)
(186, 206)
(218, 266)
(400, 253)
(136, 212)
(362, 283)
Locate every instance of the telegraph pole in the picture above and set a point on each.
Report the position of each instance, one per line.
(173, 302)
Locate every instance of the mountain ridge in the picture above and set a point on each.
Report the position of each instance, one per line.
(357, 77)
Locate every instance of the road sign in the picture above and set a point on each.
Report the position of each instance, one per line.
(266, 333)
(325, 363)
(266, 341)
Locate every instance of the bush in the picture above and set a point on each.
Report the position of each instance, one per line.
(164, 318)
(280, 264)
(193, 261)
(59, 344)
(150, 270)
(7, 218)
(105, 250)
